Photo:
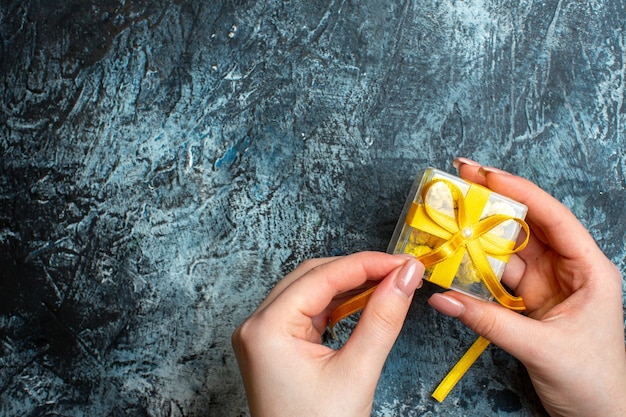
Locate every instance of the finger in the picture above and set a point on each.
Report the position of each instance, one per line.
(473, 171)
(514, 272)
(503, 327)
(311, 294)
(469, 172)
(562, 230)
(301, 270)
(382, 318)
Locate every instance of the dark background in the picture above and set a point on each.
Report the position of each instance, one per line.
(164, 163)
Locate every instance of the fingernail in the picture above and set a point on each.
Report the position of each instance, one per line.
(446, 305)
(410, 277)
(483, 171)
(464, 161)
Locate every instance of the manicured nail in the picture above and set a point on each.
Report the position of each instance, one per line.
(410, 277)
(464, 161)
(483, 171)
(446, 305)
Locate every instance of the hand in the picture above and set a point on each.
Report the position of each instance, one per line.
(571, 339)
(288, 372)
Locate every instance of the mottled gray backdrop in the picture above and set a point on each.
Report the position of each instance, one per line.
(164, 163)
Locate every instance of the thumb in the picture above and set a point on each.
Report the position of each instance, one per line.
(507, 329)
(382, 319)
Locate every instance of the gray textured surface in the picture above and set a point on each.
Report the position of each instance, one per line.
(165, 163)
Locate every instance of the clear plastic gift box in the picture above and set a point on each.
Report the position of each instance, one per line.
(410, 238)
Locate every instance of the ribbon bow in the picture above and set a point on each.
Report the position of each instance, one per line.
(464, 233)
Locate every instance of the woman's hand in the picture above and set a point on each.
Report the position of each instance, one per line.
(288, 372)
(571, 339)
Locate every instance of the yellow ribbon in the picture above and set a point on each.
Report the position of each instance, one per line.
(461, 367)
(464, 233)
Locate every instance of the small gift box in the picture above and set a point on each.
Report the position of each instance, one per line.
(463, 232)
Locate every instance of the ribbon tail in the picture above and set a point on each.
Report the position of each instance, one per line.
(348, 308)
(461, 367)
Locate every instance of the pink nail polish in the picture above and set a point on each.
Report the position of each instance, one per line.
(410, 277)
(464, 161)
(483, 171)
(446, 305)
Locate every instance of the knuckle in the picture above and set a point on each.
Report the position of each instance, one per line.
(244, 335)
